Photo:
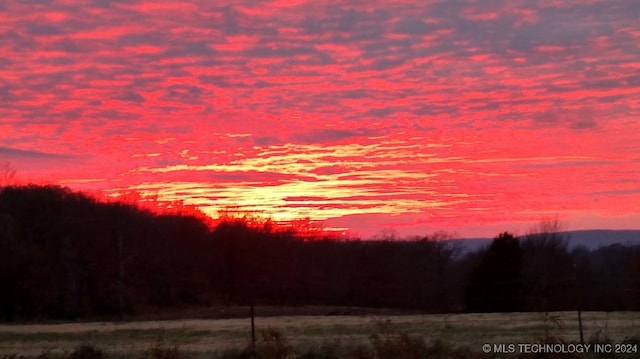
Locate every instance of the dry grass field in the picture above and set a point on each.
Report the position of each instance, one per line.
(202, 337)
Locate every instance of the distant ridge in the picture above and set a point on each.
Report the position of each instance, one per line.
(596, 238)
(591, 239)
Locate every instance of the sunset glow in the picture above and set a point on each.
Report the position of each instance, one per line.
(464, 116)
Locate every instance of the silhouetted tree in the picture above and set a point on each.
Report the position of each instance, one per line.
(548, 270)
(444, 252)
(495, 283)
(7, 175)
(611, 266)
(632, 285)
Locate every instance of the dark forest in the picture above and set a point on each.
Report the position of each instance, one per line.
(65, 255)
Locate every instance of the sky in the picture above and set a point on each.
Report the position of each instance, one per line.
(473, 117)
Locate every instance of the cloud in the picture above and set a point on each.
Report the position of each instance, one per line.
(382, 112)
(331, 135)
(266, 140)
(182, 94)
(131, 96)
(8, 152)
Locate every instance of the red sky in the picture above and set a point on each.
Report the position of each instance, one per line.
(467, 116)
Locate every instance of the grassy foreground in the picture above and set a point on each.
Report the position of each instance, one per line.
(361, 336)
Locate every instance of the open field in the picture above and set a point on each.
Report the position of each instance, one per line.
(204, 336)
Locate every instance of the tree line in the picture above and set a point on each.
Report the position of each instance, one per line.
(65, 255)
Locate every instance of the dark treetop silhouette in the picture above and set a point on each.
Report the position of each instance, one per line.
(66, 255)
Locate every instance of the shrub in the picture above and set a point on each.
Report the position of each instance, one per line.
(389, 344)
(86, 351)
(160, 351)
(274, 345)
